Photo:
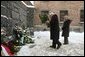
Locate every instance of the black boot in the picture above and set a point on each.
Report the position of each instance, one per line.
(52, 47)
(59, 45)
(65, 40)
(53, 44)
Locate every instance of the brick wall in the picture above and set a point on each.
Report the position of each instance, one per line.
(73, 8)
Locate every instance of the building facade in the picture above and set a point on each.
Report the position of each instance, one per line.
(74, 9)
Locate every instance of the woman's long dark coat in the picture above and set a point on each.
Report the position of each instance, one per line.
(65, 28)
(54, 28)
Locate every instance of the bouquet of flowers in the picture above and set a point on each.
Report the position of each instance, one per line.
(27, 39)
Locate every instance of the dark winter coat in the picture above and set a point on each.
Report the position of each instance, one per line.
(65, 28)
(54, 28)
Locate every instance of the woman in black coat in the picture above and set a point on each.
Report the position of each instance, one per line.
(54, 31)
(65, 30)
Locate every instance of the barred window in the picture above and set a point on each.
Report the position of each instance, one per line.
(81, 15)
(45, 12)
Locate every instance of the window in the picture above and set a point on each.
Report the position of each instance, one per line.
(44, 12)
(62, 14)
(44, 16)
(81, 15)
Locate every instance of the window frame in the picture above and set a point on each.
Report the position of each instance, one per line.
(66, 11)
(81, 17)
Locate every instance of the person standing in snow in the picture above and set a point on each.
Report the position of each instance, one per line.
(65, 29)
(54, 31)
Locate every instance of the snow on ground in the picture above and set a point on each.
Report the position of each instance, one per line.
(42, 43)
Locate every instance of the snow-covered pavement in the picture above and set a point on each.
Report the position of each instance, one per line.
(42, 43)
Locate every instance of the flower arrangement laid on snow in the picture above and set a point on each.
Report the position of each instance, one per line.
(13, 44)
(26, 38)
(23, 37)
(6, 43)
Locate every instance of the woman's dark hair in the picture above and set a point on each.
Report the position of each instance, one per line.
(54, 19)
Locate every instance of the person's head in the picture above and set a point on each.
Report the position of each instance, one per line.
(51, 13)
(54, 17)
(66, 17)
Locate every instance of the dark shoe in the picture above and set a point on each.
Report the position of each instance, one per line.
(59, 46)
(52, 47)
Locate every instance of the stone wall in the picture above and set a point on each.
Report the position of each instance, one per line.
(14, 12)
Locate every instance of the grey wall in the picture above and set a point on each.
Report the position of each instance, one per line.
(16, 12)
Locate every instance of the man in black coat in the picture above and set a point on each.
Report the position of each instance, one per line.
(65, 29)
(54, 31)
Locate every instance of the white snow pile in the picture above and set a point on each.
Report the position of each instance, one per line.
(42, 43)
